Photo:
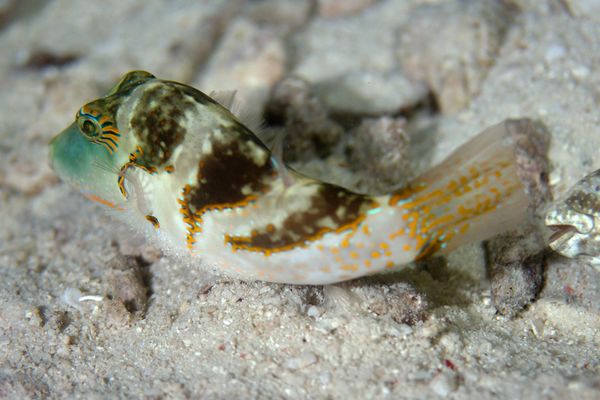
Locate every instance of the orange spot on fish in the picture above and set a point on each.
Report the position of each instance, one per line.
(345, 242)
(396, 234)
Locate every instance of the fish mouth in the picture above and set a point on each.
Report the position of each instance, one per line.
(561, 230)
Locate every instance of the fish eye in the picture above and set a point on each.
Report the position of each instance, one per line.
(89, 127)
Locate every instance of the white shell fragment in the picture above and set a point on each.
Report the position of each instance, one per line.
(73, 297)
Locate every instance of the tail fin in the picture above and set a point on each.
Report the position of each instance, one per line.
(476, 193)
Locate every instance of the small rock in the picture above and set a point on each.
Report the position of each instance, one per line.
(371, 93)
(117, 314)
(69, 340)
(516, 269)
(35, 317)
(572, 281)
(378, 150)
(400, 301)
(309, 131)
(313, 312)
(58, 321)
(40, 59)
(127, 284)
(455, 66)
(313, 295)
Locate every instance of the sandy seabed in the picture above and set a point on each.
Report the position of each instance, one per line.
(157, 328)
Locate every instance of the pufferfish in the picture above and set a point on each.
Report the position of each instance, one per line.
(575, 221)
(180, 168)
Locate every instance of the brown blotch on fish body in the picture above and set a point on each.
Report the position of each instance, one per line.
(230, 176)
(332, 209)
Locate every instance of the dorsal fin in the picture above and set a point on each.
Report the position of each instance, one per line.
(277, 158)
(129, 80)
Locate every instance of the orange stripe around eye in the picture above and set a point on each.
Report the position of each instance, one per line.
(106, 146)
(111, 131)
(87, 110)
(113, 140)
(109, 145)
(109, 138)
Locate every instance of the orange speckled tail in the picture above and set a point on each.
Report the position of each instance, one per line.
(474, 194)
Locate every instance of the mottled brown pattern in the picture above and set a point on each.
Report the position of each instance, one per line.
(158, 123)
(110, 104)
(331, 208)
(224, 174)
(586, 203)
